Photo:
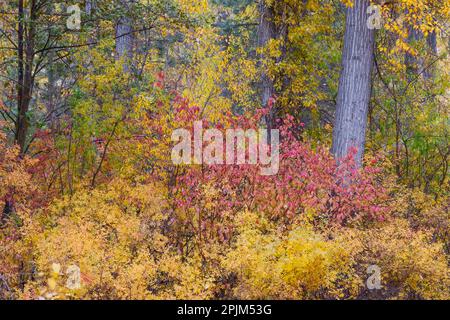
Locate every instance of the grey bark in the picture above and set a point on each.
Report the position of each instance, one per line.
(354, 84)
(89, 7)
(266, 31)
(432, 45)
(125, 36)
(432, 42)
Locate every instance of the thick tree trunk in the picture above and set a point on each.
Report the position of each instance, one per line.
(266, 32)
(354, 84)
(125, 36)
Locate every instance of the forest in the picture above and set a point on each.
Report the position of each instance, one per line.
(224, 150)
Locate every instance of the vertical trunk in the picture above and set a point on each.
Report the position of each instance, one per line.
(266, 32)
(51, 90)
(89, 7)
(92, 12)
(432, 42)
(20, 50)
(432, 45)
(8, 209)
(27, 83)
(124, 36)
(354, 84)
(414, 65)
(51, 78)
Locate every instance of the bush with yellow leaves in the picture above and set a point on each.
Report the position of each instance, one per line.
(305, 264)
(114, 234)
(17, 195)
(299, 264)
(412, 264)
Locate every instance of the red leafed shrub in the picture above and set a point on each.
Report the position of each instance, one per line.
(309, 181)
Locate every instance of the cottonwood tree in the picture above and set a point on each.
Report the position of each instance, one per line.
(355, 83)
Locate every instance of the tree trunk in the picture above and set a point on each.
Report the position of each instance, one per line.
(414, 64)
(50, 96)
(28, 81)
(266, 32)
(432, 45)
(8, 209)
(125, 36)
(354, 84)
(51, 92)
(89, 7)
(20, 51)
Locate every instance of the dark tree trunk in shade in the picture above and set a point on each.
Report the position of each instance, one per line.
(266, 31)
(25, 52)
(8, 209)
(354, 84)
(50, 95)
(20, 63)
(89, 7)
(432, 47)
(414, 64)
(432, 42)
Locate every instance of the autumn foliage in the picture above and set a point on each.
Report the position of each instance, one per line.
(96, 187)
(192, 232)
